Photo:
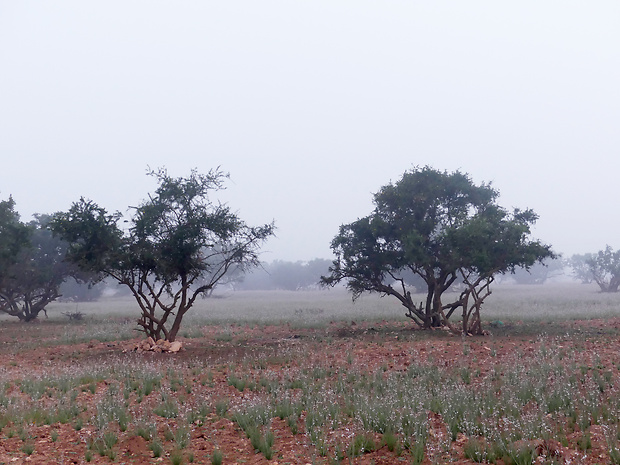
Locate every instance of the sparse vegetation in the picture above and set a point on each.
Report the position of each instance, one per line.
(529, 388)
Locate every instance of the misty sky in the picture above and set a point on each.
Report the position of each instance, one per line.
(314, 105)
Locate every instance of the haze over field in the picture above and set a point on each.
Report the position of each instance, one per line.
(313, 106)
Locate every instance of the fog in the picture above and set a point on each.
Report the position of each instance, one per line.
(313, 106)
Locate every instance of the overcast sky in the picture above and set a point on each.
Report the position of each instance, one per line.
(312, 106)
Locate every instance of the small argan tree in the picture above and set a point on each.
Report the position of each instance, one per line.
(178, 246)
(442, 228)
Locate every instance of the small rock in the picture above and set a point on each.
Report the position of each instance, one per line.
(175, 346)
(164, 345)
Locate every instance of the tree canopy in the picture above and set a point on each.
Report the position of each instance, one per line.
(177, 246)
(13, 235)
(443, 228)
(32, 266)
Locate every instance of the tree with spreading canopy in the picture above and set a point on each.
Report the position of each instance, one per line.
(604, 268)
(178, 245)
(32, 266)
(444, 229)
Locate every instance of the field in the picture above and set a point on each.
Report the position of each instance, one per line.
(312, 378)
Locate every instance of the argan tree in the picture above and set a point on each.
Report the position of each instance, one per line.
(442, 228)
(33, 266)
(176, 247)
(604, 267)
(13, 241)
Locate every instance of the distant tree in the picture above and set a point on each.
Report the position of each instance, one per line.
(179, 245)
(257, 279)
(75, 290)
(443, 228)
(580, 267)
(38, 269)
(314, 269)
(294, 276)
(286, 275)
(605, 269)
(539, 273)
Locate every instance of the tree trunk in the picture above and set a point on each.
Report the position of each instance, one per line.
(172, 333)
(437, 308)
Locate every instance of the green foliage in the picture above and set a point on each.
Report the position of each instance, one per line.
(585, 441)
(182, 436)
(221, 407)
(442, 228)
(361, 444)
(254, 422)
(103, 444)
(146, 432)
(520, 455)
(614, 455)
(179, 245)
(156, 447)
(79, 424)
(176, 458)
(217, 457)
(475, 450)
(418, 449)
(240, 383)
(32, 266)
(168, 408)
(28, 448)
(13, 234)
(111, 408)
(391, 441)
